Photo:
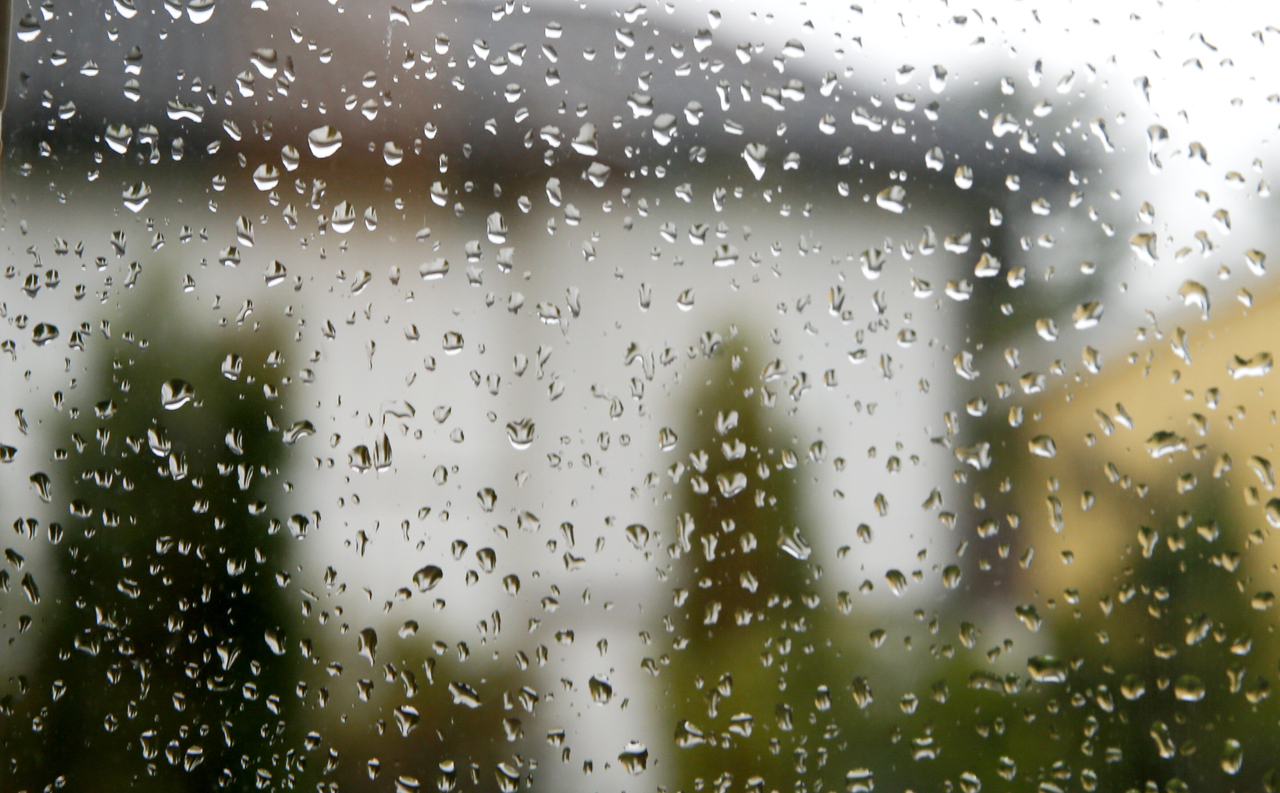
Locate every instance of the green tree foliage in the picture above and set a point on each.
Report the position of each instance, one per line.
(164, 658)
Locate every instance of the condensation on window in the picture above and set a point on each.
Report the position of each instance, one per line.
(669, 396)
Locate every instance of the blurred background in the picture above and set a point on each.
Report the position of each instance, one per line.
(651, 396)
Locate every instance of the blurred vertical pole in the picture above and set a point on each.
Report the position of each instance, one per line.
(6, 25)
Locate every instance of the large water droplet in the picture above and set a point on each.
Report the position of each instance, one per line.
(343, 218)
(1164, 442)
(266, 177)
(137, 196)
(1047, 669)
(1189, 688)
(324, 141)
(755, 154)
(601, 690)
(634, 758)
(520, 433)
(1257, 366)
(464, 695)
(892, 198)
(367, 644)
(176, 393)
(427, 577)
(200, 11)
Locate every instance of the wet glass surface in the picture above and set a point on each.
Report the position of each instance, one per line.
(638, 396)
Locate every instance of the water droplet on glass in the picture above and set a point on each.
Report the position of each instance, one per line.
(601, 690)
(1047, 669)
(1232, 756)
(755, 154)
(464, 695)
(324, 141)
(407, 719)
(343, 218)
(496, 228)
(891, 198)
(634, 758)
(28, 28)
(43, 485)
(266, 177)
(1189, 688)
(290, 157)
(367, 644)
(1163, 442)
(731, 484)
(43, 333)
(200, 11)
(951, 576)
(427, 577)
(520, 433)
(667, 439)
(137, 196)
(1255, 366)
(452, 342)
(1042, 445)
(176, 393)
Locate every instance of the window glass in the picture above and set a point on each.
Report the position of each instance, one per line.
(675, 396)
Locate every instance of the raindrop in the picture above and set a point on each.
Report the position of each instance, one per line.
(1042, 446)
(634, 758)
(667, 439)
(43, 485)
(200, 11)
(324, 141)
(266, 177)
(452, 343)
(1189, 688)
(1087, 315)
(43, 333)
(427, 577)
(1256, 366)
(951, 576)
(520, 433)
(601, 690)
(755, 154)
(496, 228)
(891, 198)
(176, 393)
(1047, 669)
(137, 196)
(794, 545)
(367, 644)
(1163, 442)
